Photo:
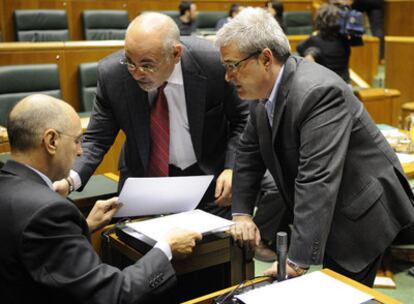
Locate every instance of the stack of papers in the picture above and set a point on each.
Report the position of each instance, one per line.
(315, 287)
(194, 220)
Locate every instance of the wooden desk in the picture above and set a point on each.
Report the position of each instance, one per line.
(208, 299)
(398, 17)
(216, 262)
(399, 67)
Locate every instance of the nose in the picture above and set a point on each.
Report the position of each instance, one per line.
(228, 76)
(137, 74)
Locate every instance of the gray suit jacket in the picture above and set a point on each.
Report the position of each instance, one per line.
(216, 115)
(46, 256)
(336, 172)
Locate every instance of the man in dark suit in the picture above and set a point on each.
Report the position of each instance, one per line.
(338, 176)
(46, 256)
(205, 115)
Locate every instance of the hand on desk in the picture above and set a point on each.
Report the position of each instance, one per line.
(102, 212)
(223, 188)
(182, 242)
(245, 231)
(272, 271)
(61, 187)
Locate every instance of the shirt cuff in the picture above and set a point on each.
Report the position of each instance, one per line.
(164, 247)
(233, 214)
(76, 179)
(300, 265)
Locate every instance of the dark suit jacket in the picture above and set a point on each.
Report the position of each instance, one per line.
(216, 115)
(46, 256)
(336, 172)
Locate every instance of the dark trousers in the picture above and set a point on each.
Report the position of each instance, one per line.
(207, 203)
(366, 276)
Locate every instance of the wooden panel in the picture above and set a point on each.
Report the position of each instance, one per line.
(382, 104)
(364, 59)
(68, 56)
(74, 9)
(398, 18)
(399, 67)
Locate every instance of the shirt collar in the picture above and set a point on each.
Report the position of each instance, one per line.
(276, 86)
(44, 177)
(176, 76)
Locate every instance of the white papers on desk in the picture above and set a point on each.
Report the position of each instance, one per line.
(405, 158)
(194, 220)
(315, 287)
(161, 195)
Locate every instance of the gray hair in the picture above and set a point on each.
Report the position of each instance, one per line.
(253, 30)
(161, 23)
(30, 117)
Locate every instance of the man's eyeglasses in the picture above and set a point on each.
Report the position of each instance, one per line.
(146, 68)
(78, 139)
(233, 66)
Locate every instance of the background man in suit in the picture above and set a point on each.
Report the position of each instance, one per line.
(205, 115)
(337, 174)
(46, 256)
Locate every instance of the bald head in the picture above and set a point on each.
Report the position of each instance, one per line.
(152, 29)
(34, 114)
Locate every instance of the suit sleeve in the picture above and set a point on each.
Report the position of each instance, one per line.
(237, 112)
(324, 137)
(57, 254)
(100, 134)
(248, 170)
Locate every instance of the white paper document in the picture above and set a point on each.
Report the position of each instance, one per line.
(194, 220)
(405, 158)
(315, 287)
(161, 195)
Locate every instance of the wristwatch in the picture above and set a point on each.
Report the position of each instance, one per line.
(299, 270)
(70, 183)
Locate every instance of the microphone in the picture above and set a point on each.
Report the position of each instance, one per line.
(281, 249)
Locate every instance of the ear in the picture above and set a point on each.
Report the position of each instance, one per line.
(267, 57)
(50, 141)
(177, 52)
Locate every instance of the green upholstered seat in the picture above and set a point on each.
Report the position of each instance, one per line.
(41, 25)
(104, 24)
(298, 23)
(4, 157)
(18, 81)
(87, 84)
(206, 21)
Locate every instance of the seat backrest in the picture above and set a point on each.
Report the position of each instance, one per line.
(104, 24)
(18, 81)
(41, 25)
(298, 23)
(87, 84)
(208, 20)
(172, 14)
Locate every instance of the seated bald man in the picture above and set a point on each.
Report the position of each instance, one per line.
(46, 256)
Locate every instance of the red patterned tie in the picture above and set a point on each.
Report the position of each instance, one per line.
(160, 136)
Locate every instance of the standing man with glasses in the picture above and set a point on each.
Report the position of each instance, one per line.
(180, 116)
(341, 182)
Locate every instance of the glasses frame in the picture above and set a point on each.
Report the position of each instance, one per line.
(133, 68)
(78, 139)
(232, 67)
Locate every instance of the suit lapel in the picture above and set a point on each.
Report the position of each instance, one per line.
(278, 111)
(195, 89)
(139, 111)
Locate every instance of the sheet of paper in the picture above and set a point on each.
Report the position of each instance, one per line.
(315, 287)
(405, 158)
(194, 220)
(162, 195)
